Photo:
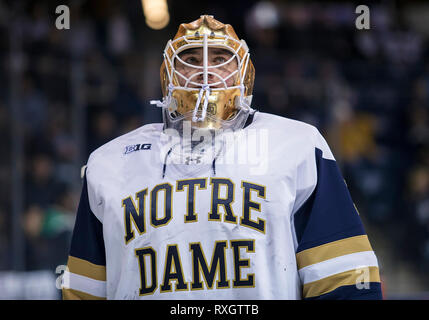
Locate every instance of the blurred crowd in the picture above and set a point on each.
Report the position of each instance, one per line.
(366, 90)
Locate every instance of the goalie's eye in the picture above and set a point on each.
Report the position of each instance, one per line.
(192, 60)
(219, 60)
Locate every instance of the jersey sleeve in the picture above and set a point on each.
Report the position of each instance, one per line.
(85, 275)
(334, 257)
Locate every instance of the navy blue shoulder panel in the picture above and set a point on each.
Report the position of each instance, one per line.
(87, 240)
(353, 293)
(329, 213)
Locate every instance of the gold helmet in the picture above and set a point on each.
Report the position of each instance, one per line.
(203, 95)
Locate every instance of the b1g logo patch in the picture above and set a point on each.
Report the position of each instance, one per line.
(137, 147)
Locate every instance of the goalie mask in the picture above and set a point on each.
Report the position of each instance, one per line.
(206, 77)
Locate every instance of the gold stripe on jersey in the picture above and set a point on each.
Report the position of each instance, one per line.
(71, 294)
(328, 284)
(332, 250)
(86, 269)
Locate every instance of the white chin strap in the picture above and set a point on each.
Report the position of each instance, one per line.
(164, 102)
(204, 90)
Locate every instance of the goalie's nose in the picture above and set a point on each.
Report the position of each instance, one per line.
(210, 78)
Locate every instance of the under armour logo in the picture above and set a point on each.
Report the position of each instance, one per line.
(190, 160)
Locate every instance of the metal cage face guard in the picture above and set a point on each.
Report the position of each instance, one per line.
(204, 95)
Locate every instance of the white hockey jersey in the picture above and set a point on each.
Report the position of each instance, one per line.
(277, 224)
